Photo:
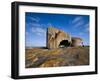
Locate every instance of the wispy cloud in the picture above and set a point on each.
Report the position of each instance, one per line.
(38, 31)
(36, 19)
(36, 27)
(86, 26)
(78, 24)
(85, 29)
(33, 19)
(36, 24)
(77, 19)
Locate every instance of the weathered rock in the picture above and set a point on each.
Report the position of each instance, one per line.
(76, 41)
(55, 36)
(71, 56)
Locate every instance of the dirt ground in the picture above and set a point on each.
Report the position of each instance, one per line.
(70, 56)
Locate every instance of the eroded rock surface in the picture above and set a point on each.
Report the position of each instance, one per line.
(55, 36)
(71, 56)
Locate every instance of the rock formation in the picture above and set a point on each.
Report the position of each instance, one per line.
(57, 38)
(76, 41)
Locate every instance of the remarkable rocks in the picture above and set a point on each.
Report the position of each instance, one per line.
(76, 41)
(57, 56)
(57, 38)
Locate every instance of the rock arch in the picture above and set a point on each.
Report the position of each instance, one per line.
(64, 43)
(55, 36)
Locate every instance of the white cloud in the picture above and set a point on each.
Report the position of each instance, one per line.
(36, 24)
(77, 19)
(36, 19)
(37, 28)
(77, 22)
(86, 27)
(38, 31)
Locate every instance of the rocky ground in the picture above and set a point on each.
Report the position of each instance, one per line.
(70, 56)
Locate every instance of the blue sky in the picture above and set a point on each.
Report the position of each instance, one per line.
(36, 25)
